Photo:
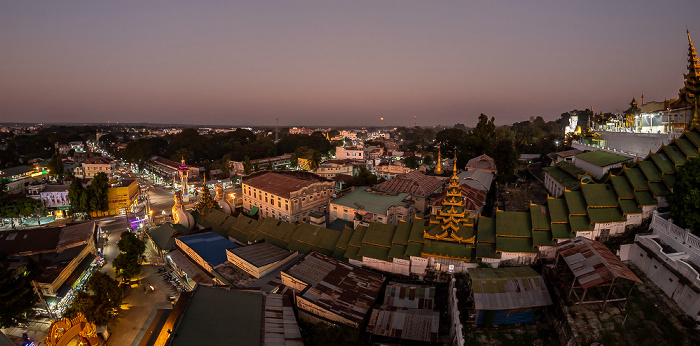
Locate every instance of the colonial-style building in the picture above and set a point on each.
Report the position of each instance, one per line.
(364, 205)
(286, 195)
(96, 165)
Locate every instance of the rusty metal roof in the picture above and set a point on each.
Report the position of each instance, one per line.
(75, 235)
(279, 323)
(409, 296)
(592, 262)
(411, 324)
(198, 275)
(414, 183)
(508, 288)
(338, 287)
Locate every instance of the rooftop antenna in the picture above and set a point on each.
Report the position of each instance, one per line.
(414, 121)
(277, 128)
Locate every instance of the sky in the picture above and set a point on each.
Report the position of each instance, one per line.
(336, 63)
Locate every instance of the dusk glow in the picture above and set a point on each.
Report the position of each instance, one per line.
(336, 63)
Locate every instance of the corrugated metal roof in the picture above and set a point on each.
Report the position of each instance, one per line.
(337, 287)
(260, 254)
(282, 184)
(279, 324)
(414, 183)
(411, 324)
(508, 288)
(193, 272)
(592, 263)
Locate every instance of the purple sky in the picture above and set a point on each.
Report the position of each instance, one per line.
(340, 62)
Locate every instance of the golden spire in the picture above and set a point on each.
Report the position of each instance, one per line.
(454, 169)
(691, 85)
(438, 167)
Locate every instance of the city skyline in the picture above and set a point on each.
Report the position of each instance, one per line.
(312, 63)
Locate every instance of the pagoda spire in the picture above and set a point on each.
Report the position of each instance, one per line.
(438, 167)
(691, 85)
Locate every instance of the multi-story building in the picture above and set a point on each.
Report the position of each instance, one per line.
(364, 205)
(286, 195)
(277, 162)
(167, 170)
(300, 131)
(419, 186)
(92, 166)
(121, 196)
(357, 153)
(16, 179)
(331, 168)
(393, 170)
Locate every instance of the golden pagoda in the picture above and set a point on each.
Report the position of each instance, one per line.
(632, 112)
(688, 94)
(438, 167)
(451, 222)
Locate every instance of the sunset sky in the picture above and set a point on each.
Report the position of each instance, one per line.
(337, 62)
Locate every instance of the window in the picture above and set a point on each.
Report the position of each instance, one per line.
(335, 213)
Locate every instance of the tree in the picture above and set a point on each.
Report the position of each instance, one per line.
(365, 178)
(411, 162)
(97, 301)
(76, 194)
(449, 139)
(99, 193)
(126, 266)
(506, 158)
(247, 166)
(55, 166)
(40, 211)
(130, 244)
(16, 294)
(685, 199)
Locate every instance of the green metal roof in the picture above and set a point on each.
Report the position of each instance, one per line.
(543, 238)
(377, 203)
(564, 178)
(163, 235)
(687, 147)
(356, 239)
(561, 231)
(629, 206)
(651, 172)
(645, 198)
(487, 250)
(271, 227)
(599, 195)
(575, 202)
(580, 223)
(600, 215)
(539, 217)
(398, 251)
(372, 251)
(602, 158)
(513, 224)
(339, 254)
(676, 156)
(241, 320)
(557, 210)
(636, 179)
(486, 230)
(693, 137)
(351, 253)
(445, 249)
(379, 234)
(403, 230)
(669, 179)
(622, 187)
(344, 239)
(510, 244)
(414, 249)
(417, 231)
(659, 189)
(663, 162)
(571, 169)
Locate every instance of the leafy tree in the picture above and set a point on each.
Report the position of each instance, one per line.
(183, 153)
(130, 244)
(98, 300)
(16, 293)
(99, 193)
(411, 162)
(55, 166)
(40, 211)
(76, 195)
(449, 139)
(126, 266)
(685, 199)
(247, 166)
(307, 153)
(506, 158)
(365, 178)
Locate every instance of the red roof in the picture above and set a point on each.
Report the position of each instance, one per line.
(592, 262)
(281, 184)
(414, 183)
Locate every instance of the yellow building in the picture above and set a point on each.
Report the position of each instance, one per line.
(122, 196)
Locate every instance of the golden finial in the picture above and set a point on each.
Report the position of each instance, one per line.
(454, 169)
(438, 167)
